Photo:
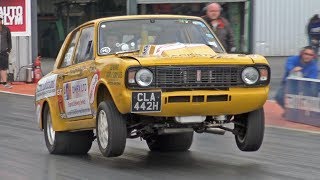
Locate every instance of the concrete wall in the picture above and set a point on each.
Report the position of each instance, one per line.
(279, 26)
(20, 56)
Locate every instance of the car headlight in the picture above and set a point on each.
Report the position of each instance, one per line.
(250, 75)
(144, 77)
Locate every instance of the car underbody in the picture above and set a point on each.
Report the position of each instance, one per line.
(145, 126)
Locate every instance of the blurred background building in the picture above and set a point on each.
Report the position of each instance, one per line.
(267, 27)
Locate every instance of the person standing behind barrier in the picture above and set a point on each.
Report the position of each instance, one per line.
(220, 26)
(303, 65)
(314, 32)
(5, 48)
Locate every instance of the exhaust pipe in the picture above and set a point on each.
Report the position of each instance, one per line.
(174, 130)
(215, 131)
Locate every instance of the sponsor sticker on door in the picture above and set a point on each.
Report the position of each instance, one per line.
(76, 98)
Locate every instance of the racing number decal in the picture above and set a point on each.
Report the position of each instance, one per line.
(146, 102)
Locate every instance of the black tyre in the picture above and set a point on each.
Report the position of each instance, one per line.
(251, 130)
(170, 142)
(111, 129)
(65, 142)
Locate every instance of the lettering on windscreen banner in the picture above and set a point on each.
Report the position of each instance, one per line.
(146, 102)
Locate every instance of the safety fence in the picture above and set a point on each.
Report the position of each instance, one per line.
(302, 101)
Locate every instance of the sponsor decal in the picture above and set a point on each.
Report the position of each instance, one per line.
(114, 82)
(77, 71)
(146, 50)
(114, 67)
(76, 98)
(46, 87)
(114, 72)
(159, 49)
(213, 44)
(92, 88)
(209, 36)
(184, 21)
(105, 50)
(300, 102)
(68, 57)
(199, 23)
(59, 92)
(61, 106)
(115, 75)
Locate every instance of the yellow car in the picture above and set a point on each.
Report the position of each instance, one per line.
(160, 78)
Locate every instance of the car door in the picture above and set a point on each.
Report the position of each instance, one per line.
(64, 62)
(75, 80)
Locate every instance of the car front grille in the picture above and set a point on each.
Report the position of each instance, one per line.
(197, 76)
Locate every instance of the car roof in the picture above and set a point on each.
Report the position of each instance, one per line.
(132, 17)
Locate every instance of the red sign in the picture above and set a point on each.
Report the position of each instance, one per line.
(16, 16)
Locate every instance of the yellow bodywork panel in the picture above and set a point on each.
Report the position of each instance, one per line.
(238, 101)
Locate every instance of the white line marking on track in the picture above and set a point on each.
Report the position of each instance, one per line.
(294, 129)
(7, 92)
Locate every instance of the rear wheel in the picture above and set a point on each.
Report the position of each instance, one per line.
(170, 142)
(65, 142)
(111, 130)
(250, 130)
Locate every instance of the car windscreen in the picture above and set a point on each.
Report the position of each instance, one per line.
(130, 35)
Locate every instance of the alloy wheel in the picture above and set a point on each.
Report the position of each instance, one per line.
(103, 129)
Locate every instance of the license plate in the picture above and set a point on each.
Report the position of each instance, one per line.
(146, 102)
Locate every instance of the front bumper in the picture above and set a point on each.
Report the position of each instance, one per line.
(201, 102)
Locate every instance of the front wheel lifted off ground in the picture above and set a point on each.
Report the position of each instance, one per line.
(65, 142)
(111, 129)
(250, 128)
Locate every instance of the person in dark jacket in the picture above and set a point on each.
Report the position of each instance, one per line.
(5, 48)
(220, 26)
(303, 66)
(314, 32)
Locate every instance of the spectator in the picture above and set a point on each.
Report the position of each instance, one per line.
(5, 48)
(220, 26)
(162, 8)
(303, 65)
(314, 32)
